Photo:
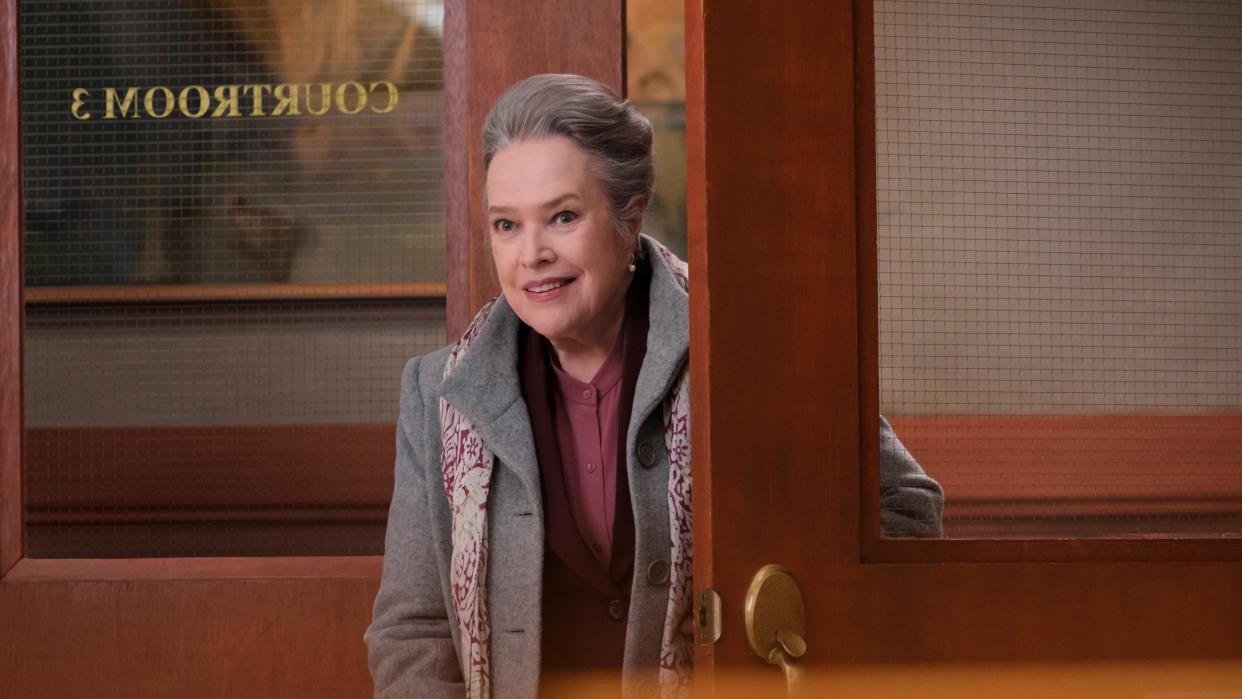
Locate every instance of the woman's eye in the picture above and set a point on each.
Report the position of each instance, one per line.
(503, 225)
(565, 217)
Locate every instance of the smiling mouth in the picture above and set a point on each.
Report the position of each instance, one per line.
(549, 286)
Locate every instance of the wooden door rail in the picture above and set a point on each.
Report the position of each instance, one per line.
(1091, 473)
(992, 468)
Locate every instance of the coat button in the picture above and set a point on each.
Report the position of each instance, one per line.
(646, 454)
(616, 609)
(657, 573)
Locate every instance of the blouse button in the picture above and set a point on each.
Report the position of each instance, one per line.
(646, 454)
(616, 609)
(587, 394)
(590, 468)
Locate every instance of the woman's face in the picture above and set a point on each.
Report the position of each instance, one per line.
(561, 265)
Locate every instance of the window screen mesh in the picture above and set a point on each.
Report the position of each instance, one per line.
(1060, 259)
(233, 241)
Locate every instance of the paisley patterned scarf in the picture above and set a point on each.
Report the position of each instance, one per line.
(466, 464)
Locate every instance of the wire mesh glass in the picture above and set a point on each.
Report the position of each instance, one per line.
(1060, 261)
(233, 240)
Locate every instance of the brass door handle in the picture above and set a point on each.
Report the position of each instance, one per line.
(776, 622)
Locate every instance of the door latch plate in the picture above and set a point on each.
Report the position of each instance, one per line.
(706, 616)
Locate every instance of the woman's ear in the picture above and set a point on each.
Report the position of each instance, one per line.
(634, 210)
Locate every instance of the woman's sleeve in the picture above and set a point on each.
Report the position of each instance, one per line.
(910, 500)
(409, 641)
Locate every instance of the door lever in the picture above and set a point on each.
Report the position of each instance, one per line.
(776, 622)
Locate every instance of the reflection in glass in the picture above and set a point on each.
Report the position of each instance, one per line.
(656, 73)
(231, 141)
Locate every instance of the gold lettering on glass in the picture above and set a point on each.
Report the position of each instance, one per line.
(359, 90)
(169, 102)
(325, 99)
(76, 108)
(392, 96)
(256, 95)
(199, 101)
(226, 96)
(123, 104)
(204, 101)
(286, 100)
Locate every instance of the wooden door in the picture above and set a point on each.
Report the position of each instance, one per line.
(241, 626)
(780, 122)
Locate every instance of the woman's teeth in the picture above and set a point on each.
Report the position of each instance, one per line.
(547, 287)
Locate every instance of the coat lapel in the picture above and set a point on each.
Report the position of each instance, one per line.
(485, 388)
(668, 343)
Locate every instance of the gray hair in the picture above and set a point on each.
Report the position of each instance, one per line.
(609, 129)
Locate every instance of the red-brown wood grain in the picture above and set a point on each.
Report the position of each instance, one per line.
(10, 296)
(164, 293)
(1082, 466)
(1104, 680)
(700, 314)
(202, 568)
(868, 259)
(210, 491)
(774, 355)
(1079, 488)
(136, 470)
(489, 45)
(248, 636)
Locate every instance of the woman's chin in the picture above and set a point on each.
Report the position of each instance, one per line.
(550, 325)
(554, 332)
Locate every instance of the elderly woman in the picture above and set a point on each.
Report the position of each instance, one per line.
(542, 457)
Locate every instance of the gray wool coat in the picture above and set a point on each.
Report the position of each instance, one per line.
(412, 639)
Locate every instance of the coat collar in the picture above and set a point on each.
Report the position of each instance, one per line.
(668, 338)
(486, 389)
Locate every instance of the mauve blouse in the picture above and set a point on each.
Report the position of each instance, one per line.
(580, 430)
(587, 437)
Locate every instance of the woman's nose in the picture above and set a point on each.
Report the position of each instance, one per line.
(535, 250)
